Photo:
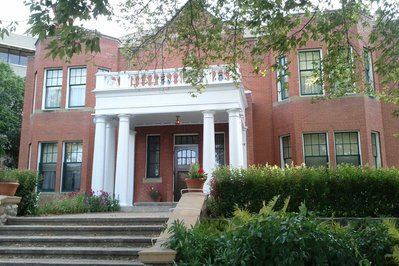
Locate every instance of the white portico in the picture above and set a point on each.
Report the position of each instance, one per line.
(130, 100)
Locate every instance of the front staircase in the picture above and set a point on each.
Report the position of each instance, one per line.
(86, 239)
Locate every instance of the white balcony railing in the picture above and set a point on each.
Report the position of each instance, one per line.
(159, 78)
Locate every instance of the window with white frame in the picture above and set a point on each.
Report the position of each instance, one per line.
(47, 166)
(368, 69)
(72, 166)
(347, 148)
(344, 70)
(77, 87)
(315, 149)
(376, 149)
(309, 63)
(153, 156)
(53, 87)
(285, 144)
(219, 149)
(282, 78)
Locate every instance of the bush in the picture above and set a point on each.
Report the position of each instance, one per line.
(345, 191)
(27, 189)
(80, 203)
(280, 238)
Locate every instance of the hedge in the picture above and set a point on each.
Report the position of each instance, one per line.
(346, 191)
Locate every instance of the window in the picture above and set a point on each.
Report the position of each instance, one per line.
(376, 149)
(219, 149)
(282, 78)
(153, 156)
(53, 88)
(102, 70)
(315, 149)
(47, 166)
(72, 166)
(186, 139)
(368, 69)
(77, 87)
(309, 62)
(285, 147)
(13, 56)
(347, 148)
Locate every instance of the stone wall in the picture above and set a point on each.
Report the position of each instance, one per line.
(8, 207)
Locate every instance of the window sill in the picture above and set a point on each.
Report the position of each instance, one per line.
(152, 180)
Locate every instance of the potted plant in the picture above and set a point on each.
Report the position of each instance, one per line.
(155, 194)
(8, 183)
(196, 178)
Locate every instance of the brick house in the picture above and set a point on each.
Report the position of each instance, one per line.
(89, 123)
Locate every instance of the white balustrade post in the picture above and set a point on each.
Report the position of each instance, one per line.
(124, 80)
(97, 178)
(235, 138)
(122, 161)
(130, 186)
(110, 140)
(208, 153)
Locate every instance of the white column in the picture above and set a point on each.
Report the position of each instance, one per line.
(97, 178)
(109, 167)
(208, 150)
(235, 138)
(244, 147)
(130, 185)
(122, 161)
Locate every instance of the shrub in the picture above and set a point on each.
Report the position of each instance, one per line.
(345, 191)
(27, 189)
(80, 203)
(280, 238)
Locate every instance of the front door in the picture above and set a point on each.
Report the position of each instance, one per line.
(184, 157)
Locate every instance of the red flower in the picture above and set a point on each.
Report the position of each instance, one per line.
(201, 171)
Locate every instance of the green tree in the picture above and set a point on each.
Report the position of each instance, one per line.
(11, 102)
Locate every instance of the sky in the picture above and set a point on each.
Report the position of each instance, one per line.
(15, 10)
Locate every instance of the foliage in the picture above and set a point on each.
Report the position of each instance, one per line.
(26, 190)
(80, 203)
(280, 238)
(11, 102)
(196, 171)
(345, 191)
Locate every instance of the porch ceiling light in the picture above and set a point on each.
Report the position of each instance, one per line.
(177, 122)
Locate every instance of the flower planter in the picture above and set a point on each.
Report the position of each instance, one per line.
(8, 188)
(193, 184)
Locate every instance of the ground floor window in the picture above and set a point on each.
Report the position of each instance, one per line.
(153, 156)
(376, 148)
(72, 166)
(285, 147)
(47, 166)
(315, 149)
(347, 148)
(219, 149)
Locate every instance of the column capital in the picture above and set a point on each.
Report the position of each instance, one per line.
(208, 113)
(124, 117)
(99, 119)
(234, 112)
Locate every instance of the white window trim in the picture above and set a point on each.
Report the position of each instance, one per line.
(299, 72)
(279, 89)
(327, 143)
(39, 157)
(378, 144)
(63, 162)
(34, 93)
(45, 91)
(68, 88)
(358, 140)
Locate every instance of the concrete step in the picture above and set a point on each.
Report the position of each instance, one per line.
(96, 253)
(86, 230)
(60, 220)
(68, 262)
(75, 241)
(152, 207)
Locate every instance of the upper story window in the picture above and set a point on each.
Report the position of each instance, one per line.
(309, 62)
(315, 148)
(77, 87)
(282, 78)
(368, 69)
(347, 148)
(13, 56)
(53, 88)
(153, 156)
(48, 166)
(285, 147)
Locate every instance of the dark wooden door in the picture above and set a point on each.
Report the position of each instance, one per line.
(184, 157)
